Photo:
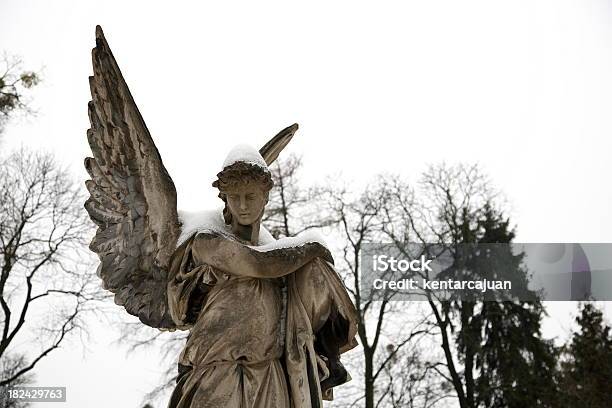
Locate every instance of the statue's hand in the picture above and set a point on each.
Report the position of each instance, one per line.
(322, 366)
(318, 250)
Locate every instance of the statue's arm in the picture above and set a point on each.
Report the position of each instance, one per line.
(188, 285)
(238, 259)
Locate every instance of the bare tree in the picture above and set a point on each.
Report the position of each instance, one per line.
(448, 196)
(409, 380)
(10, 365)
(386, 328)
(457, 205)
(44, 289)
(291, 208)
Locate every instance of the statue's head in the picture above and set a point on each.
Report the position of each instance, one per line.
(244, 185)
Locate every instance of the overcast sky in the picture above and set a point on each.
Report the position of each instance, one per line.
(522, 87)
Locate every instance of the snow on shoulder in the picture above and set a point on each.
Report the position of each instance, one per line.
(194, 222)
(212, 221)
(247, 154)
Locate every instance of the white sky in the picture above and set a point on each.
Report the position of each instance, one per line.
(523, 87)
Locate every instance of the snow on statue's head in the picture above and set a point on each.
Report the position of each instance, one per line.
(244, 185)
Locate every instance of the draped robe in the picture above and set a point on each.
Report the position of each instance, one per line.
(266, 328)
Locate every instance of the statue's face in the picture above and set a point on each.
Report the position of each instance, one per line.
(246, 202)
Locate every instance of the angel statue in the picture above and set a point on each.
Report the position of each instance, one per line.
(268, 319)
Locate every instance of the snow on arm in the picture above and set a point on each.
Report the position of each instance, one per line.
(291, 242)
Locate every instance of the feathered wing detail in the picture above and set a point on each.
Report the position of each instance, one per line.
(132, 197)
(272, 149)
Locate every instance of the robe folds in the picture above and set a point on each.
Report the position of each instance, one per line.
(256, 341)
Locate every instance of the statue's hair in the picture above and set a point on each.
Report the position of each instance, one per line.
(238, 173)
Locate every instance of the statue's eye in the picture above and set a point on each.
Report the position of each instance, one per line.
(250, 197)
(233, 196)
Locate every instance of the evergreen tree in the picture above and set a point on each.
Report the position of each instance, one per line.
(506, 361)
(494, 350)
(587, 372)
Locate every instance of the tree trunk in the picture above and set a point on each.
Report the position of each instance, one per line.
(369, 378)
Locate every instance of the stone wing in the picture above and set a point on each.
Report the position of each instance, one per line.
(132, 197)
(272, 149)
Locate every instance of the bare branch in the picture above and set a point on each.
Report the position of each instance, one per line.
(43, 233)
